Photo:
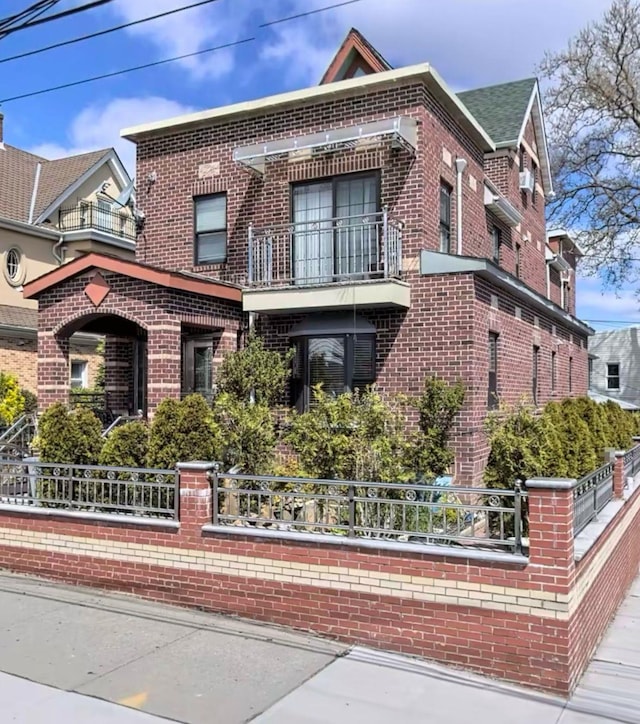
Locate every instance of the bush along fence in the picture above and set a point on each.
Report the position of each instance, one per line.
(404, 567)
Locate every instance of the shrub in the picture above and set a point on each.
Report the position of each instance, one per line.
(247, 433)
(621, 424)
(183, 431)
(355, 436)
(69, 437)
(438, 406)
(255, 371)
(30, 401)
(11, 399)
(127, 446)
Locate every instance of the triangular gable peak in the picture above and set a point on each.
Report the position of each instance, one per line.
(356, 56)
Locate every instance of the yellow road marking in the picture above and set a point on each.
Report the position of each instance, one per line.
(135, 701)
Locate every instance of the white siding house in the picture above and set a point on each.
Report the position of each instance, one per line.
(614, 366)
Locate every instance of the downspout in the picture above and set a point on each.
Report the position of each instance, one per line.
(548, 280)
(58, 250)
(461, 165)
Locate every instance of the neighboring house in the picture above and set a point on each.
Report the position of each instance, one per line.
(614, 367)
(384, 226)
(52, 212)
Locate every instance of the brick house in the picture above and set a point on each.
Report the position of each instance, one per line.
(50, 213)
(385, 226)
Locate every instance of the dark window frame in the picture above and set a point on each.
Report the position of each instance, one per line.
(496, 241)
(197, 260)
(518, 261)
(535, 370)
(492, 387)
(445, 224)
(613, 376)
(553, 370)
(534, 173)
(301, 392)
(570, 375)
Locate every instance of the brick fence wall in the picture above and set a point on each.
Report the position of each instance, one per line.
(534, 620)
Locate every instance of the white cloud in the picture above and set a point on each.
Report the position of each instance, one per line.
(189, 31)
(470, 42)
(597, 303)
(99, 125)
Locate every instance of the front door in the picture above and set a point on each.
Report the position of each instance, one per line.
(198, 366)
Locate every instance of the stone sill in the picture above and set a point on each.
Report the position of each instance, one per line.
(83, 515)
(373, 545)
(590, 535)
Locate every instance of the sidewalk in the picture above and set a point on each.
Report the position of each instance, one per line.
(81, 653)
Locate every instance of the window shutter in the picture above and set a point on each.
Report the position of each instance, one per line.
(364, 361)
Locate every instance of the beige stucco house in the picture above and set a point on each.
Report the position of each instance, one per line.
(51, 212)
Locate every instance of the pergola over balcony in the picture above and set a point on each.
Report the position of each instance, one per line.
(401, 130)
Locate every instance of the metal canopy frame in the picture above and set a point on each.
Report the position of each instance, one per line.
(401, 129)
(501, 207)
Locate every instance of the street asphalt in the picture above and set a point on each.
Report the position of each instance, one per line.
(76, 655)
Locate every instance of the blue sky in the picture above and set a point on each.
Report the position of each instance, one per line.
(470, 42)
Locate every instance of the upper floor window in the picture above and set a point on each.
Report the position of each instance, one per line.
(445, 217)
(496, 239)
(523, 159)
(13, 266)
(570, 374)
(534, 174)
(613, 376)
(564, 295)
(553, 371)
(518, 261)
(210, 229)
(590, 372)
(534, 375)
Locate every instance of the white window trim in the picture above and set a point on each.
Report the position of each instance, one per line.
(85, 373)
(608, 376)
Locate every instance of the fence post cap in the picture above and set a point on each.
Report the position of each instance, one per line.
(552, 483)
(620, 453)
(197, 465)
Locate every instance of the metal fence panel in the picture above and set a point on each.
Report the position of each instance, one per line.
(91, 488)
(590, 495)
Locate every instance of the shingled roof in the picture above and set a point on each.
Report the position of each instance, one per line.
(501, 109)
(18, 175)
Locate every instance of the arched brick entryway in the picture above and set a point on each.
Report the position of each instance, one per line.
(140, 310)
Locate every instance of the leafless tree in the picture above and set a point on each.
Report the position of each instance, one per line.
(593, 114)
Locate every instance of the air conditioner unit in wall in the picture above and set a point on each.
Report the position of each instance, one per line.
(527, 180)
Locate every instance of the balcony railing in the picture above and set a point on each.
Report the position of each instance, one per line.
(342, 249)
(91, 215)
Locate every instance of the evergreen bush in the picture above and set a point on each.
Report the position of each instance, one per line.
(12, 399)
(127, 446)
(71, 437)
(30, 401)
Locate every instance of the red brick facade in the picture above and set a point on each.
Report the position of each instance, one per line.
(533, 620)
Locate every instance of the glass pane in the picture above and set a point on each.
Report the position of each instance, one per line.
(211, 247)
(202, 369)
(211, 213)
(313, 240)
(326, 364)
(364, 364)
(357, 230)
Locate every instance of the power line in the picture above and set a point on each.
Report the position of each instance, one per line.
(56, 16)
(105, 32)
(124, 71)
(30, 12)
(310, 12)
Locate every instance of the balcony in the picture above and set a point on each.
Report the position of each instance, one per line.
(327, 264)
(100, 217)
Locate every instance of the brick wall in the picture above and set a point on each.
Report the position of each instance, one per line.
(533, 620)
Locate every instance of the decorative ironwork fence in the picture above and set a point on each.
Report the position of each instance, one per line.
(632, 462)
(382, 511)
(90, 488)
(590, 495)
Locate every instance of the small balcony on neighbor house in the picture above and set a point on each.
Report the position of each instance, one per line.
(321, 261)
(99, 217)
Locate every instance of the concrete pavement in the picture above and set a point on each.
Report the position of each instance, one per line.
(93, 657)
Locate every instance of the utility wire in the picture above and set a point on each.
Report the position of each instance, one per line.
(309, 12)
(125, 70)
(56, 16)
(29, 13)
(97, 34)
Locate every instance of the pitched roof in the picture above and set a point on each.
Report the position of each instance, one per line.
(58, 175)
(501, 109)
(18, 171)
(17, 176)
(355, 46)
(21, 317)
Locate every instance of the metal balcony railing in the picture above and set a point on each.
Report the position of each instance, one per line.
(90, 215)
(341, 249)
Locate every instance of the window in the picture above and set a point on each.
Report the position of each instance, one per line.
(518, 262)
(79, 370)
(336, 229)
(534, 174)
(613, 376)
(590, 371)
(534, 375)
(492, 401)
(339, 362)
(570, 374)
(210, 229)
(496, 237)
(523, 159)
(445, 217)
(553, 372)
(564, 294)
(13, 265)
